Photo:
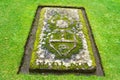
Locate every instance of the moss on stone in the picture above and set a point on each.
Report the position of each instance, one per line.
(54, 65)
(85, 31)
(36, 43)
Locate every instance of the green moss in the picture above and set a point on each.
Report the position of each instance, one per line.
(36, 43)
(85, 31)
(55, 66)
(68, 36)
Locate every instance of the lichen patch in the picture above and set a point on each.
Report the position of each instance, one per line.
(62, 42)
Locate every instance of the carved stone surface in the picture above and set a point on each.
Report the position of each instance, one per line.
(63, 41)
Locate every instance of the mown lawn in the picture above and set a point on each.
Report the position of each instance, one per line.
(16, 17)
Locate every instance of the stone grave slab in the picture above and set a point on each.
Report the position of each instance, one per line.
(60, 40)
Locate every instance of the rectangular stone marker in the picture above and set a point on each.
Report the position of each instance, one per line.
(61, 42)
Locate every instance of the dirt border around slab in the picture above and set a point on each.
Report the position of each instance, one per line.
(25, 62)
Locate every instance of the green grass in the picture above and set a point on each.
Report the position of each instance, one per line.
(16, 17)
